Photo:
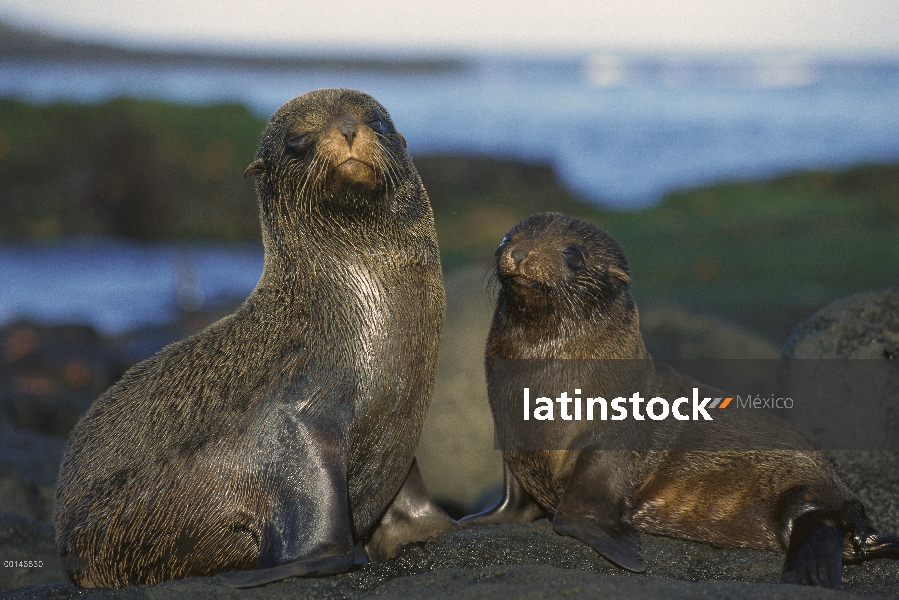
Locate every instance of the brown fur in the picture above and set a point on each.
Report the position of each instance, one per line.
(565, 295)
(220, 452)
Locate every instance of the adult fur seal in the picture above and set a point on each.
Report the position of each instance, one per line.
(274, 440)
(565, 295)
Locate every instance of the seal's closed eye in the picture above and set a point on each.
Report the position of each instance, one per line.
(376, 123)
(574, 257)
(299, 141)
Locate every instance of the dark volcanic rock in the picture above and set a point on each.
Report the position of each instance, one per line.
(846, 359)
(672, 333)
(25, 538)
(874, 478)
(865, 325)
(31, 454)
(25, 496)
(29, 462)
(456, 450)
(49, 375)
(529, 560)
(862, 326)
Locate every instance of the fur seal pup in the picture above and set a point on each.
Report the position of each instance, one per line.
(565, 295)
(270, 443)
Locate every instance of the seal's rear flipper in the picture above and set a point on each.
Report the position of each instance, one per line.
(867, 544)
(595, 509)
(881, 545)
(516, 505)
(305, 567)
(411, 518)
(815, 553)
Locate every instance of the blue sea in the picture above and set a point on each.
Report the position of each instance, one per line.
(621, 129)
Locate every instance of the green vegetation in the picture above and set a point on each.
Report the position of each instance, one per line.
(127, 168)
(765, 254)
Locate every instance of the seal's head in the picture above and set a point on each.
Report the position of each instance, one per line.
(553, 263)
(333, 151)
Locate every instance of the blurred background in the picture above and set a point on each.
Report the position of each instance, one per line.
(745, 155)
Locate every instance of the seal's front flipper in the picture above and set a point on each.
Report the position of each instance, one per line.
(305, 567)
(619, 544)
(815, 553)
(595, 508)
(412, 517)
(306, 530)
(516, 505)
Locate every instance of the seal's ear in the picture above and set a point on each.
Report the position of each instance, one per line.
(619, 273)
(257, 166)
(402, 139)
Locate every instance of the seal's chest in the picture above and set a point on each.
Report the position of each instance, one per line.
(392, 351)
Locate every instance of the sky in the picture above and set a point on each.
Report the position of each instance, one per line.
(835, 26)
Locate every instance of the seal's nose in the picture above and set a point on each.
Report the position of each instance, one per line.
(348, 131)
(518, 255)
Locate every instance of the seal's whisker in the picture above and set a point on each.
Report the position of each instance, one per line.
(490, 281)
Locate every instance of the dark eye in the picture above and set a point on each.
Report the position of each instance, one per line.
(376, 123)
(574, 257)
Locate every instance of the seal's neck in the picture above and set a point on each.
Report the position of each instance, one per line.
(336, 254)
(609, 331)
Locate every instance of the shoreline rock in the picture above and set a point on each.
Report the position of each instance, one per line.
(520, 560)
(527, 560)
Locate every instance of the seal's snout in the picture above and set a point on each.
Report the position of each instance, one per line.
(521, 265)
(353, 153)
(509, 260)
(348, 130)
(518, 255)
(517, 252)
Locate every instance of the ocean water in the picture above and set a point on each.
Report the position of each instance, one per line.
(621, 129)
(117, 286)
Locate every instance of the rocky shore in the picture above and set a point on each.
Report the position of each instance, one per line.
(49, 375)
(525, 561)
